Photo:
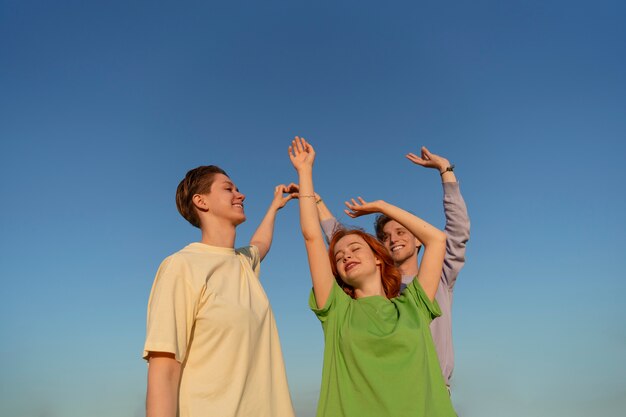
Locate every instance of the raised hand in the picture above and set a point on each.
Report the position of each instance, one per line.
(360, 207)
(429, 160)
(284, 193)
(301, 153)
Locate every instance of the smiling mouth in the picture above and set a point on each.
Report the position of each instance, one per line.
(397, 248)
(350, 265)
(238, 205)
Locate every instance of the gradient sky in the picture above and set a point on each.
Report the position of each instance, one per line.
(105, 105)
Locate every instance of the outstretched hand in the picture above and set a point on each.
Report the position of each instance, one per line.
(429, 160)
(284, 193)
(362, 207)
(301, 153)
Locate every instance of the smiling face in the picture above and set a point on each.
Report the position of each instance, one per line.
(400, 243)
(362, 265)
(224, 201)
(355, 261)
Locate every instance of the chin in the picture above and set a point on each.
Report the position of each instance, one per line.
(399, 258)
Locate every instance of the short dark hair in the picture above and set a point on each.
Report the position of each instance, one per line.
(379, 225)
(197, 181)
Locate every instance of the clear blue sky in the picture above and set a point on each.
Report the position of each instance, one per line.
(105, 105)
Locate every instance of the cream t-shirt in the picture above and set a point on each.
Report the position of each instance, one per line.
(208, 308)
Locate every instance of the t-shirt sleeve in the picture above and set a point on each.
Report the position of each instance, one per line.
(337, 297)
(251, 253)
(171, 310)
(430, 309)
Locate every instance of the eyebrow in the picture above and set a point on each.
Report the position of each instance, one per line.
(229, 182)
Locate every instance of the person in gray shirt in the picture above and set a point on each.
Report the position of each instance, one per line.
(404, 249)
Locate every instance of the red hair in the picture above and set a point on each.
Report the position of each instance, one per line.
(390, 274)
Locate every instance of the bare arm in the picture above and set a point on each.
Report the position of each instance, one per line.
(264, 234)
(163, 380)
(302, 156)
(328, 222)
(433, 239)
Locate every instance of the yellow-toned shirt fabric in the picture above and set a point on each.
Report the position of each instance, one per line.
(208, 308)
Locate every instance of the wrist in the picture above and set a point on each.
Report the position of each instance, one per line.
(446, 168)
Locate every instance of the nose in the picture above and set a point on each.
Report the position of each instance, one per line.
(241, 195)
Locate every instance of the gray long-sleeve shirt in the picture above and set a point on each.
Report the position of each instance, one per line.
(457, 231)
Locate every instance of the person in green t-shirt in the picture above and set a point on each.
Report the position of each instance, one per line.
(379, 356)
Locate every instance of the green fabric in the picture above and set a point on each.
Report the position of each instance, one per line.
(379, 357)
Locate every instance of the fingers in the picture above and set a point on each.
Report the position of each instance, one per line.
(353, 204)
(424, 161)
(292, 188)
(297, 143)
(426, 153)
(415, 159)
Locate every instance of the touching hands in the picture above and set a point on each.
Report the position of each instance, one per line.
(362, 207)
(429, 160)
(284, 193)
(301, 153)
(296, 192)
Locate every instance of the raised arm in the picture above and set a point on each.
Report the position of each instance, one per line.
(433, 239)
(457, 227)
(264, 234)
(328, 222)
(302, 156)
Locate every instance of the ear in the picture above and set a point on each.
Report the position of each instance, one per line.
(200, 202)
(378, 261)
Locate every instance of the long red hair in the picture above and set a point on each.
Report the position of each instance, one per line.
(390, 275)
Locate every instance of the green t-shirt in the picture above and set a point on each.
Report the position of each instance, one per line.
(379, 356)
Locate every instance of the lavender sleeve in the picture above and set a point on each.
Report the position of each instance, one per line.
(328, 227)
(457, 230)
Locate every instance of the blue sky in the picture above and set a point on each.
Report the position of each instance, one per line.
(105, 105)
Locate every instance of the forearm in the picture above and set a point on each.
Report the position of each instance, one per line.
(422, 230)
(264, 234)
(162, 394)
(328, 222)
(309, 216)
(457, 230)
(323, 211)
(457, 220)
(448, 176)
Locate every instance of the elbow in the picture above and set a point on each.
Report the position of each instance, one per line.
(439, 241)
(309, 236)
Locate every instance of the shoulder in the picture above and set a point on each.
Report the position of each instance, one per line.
(417, 295)
(249, 252)
(337, 299)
